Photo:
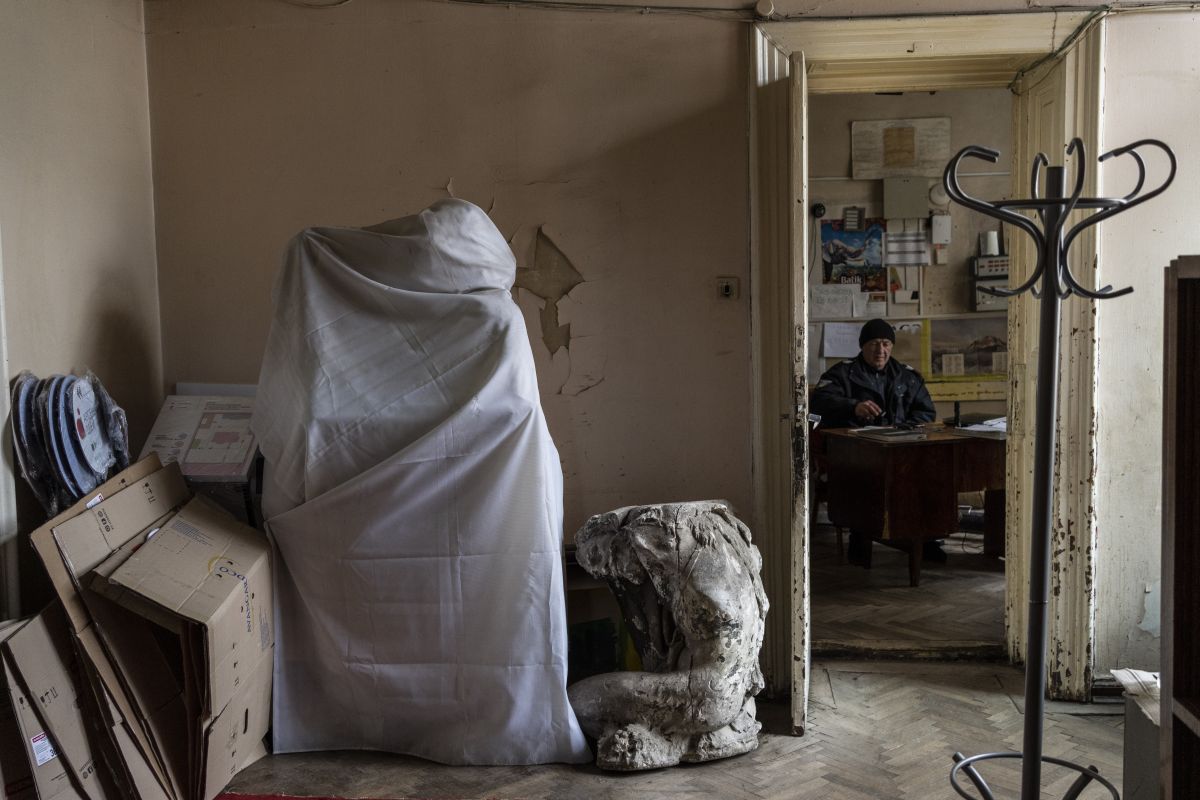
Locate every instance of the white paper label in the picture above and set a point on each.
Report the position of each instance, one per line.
(43, 749)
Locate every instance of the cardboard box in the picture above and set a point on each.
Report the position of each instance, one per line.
(133, 761)
(170, 598)
(45, 773)
(40, 663)
(209, 437)
(206, 577)
(16, 777)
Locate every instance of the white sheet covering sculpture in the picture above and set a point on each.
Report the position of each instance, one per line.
(687, 579)
(415, 498)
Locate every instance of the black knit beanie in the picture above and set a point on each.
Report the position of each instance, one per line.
(876, 329)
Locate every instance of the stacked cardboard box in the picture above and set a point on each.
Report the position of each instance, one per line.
(47, 724)
(209, 437)
(165, 621)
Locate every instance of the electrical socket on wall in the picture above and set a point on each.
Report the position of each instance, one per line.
(727, 287)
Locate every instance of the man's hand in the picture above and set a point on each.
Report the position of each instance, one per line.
(867, 410)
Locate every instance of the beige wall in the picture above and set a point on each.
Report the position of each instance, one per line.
(625, 136)
(1152, 90)
(76, 214)
(977, 116)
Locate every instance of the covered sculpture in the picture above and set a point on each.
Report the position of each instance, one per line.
(687, 579)
(415, 498)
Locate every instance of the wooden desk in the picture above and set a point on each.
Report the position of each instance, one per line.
(906, 493)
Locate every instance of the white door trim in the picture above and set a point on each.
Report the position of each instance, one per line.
(1055, 104)
(895, 54)
(921, 53)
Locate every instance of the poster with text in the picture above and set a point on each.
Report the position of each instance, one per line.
(854, 256)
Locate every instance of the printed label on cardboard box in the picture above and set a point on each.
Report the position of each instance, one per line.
(43, 749)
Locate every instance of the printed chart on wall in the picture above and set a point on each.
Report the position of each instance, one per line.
(912, 343)
(975, 347)
(854, 257)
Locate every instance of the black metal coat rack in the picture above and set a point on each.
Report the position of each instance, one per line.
(1053, 240)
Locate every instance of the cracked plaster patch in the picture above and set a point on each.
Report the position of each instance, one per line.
(551, 278)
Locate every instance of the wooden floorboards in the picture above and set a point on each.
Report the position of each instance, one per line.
(877, 730)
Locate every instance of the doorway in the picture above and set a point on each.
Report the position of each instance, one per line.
(791, 61)
(957, 609)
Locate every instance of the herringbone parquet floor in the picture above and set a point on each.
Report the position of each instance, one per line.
(877, 730)
(956, 612)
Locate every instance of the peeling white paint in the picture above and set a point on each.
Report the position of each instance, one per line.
(587, 361)
(1151, 621)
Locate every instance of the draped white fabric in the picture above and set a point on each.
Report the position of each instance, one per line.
(415, 499)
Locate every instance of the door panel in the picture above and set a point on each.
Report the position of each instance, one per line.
(777, 169)
(797, 329)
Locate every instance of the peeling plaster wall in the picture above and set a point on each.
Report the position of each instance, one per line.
(1151, 86)
(612, 143)
(76, 212)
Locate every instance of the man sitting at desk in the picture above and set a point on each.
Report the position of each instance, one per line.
(874, 389)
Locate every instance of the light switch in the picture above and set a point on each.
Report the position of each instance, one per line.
(728, 287)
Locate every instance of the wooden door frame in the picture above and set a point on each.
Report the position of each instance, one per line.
(777, 179)
(868, 55)
(1072, 606)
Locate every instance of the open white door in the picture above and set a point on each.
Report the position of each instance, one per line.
(797, 319)
(778, 291)
(879, 55)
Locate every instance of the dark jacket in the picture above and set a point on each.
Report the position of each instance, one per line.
(899, 390)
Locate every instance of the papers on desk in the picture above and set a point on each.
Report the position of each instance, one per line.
(991, 429)
(880, 434)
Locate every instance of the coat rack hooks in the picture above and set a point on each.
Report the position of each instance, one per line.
(1053, 239)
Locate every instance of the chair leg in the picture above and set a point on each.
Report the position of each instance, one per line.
(841, 549)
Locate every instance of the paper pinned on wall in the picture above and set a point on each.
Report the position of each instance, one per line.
(832, 300)
(893, 148)
(876, 304)
(907, 243)
(905, 285)
(840, 340)
(870, 304)
(815, 365)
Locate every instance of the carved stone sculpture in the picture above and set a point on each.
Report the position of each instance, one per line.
(687, 579)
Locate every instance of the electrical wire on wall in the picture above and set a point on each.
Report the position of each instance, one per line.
(644, 9)
(817, 212)
(764, 11)
(726, 14)
(1099, 13)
